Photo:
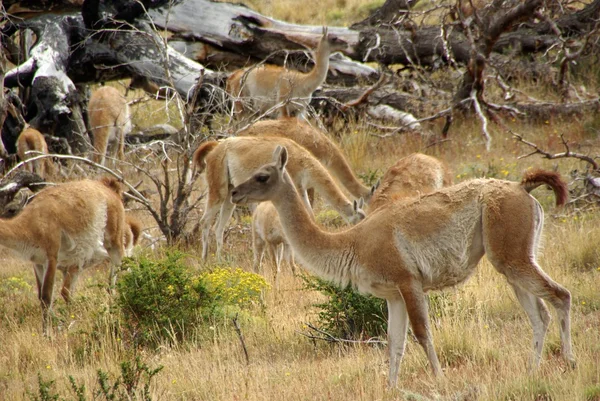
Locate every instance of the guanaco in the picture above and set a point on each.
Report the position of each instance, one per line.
(68, 226)
(410, 246)
(110, 121)
(263, 87)
(317, 143)
(410, 176)
(267, 233)
(31, 143)
(232, 160)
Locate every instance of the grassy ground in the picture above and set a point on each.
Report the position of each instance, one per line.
(481, 334)
(482, 337)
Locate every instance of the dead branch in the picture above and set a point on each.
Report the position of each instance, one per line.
(324, 336)
(566, 154)
(241, 337)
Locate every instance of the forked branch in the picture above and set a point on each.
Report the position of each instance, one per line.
(566, 154)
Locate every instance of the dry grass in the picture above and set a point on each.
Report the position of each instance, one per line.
(481, 334)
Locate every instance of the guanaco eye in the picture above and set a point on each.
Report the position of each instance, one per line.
(262, 178)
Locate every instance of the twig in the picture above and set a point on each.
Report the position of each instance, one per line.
(241, 337)
(484, 121)
(324, 336)
(566, 154)
(363, 98)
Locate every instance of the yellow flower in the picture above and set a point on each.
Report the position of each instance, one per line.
(173, 381)
(486, 326)
(582, 302)
(48, 367)
(478, 156)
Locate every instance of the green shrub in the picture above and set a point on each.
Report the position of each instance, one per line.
(348, 314)
(161, 298)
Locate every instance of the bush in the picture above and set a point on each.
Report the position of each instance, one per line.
(161, 298)
(235, 286)
(348, 314)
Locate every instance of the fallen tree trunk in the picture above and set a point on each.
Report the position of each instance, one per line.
(91, 47)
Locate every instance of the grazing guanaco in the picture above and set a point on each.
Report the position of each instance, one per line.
(31, 143)
(260, 88)
(110, 121)
(412, 175)
(410, 246)
(232, 160)
(67, 226)
(267, 232)
(317, 143)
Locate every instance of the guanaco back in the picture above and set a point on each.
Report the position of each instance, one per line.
(413, 175)
(316, 142)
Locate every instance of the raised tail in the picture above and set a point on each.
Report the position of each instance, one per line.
(201, 153)
(533, 179)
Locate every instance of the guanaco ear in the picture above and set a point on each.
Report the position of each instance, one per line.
(358, 204)
(325, 31)
(374, 187)
(280, 156)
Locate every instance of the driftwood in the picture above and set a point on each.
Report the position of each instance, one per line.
(113, 40)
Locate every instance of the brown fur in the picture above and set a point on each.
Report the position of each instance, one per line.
(109, 122)
(412, 175)
(535, 178)
(68, 227)
(113, 184)
(32, 140)
(317, 143)
(133, 231)
(410, 246)
(234, 159)
(200, 154)
(266, 86)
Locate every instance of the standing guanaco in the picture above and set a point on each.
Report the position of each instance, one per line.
(31, 143)
(110, 121)
(68, 226)
(232, 160)
(263, 87)
(410, 246)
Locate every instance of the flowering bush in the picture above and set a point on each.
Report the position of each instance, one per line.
(161, 299)
(235, 286)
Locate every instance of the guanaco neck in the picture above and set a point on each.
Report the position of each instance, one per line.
(345, 174)
(319, 72)
(325, 185)
(303, 234)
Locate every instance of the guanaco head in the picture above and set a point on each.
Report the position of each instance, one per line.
(261, 186)
(330, 43)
